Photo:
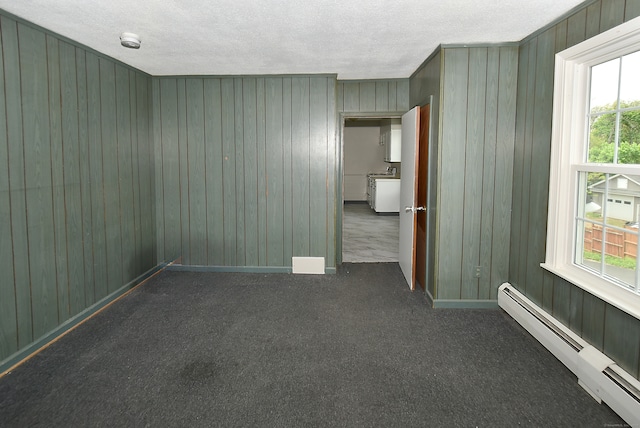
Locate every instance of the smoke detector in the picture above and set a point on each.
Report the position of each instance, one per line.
(130, 40)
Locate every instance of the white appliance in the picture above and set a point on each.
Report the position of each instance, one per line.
(371, 177)
(386, 195)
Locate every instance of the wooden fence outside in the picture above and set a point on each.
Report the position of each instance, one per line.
(618, 244)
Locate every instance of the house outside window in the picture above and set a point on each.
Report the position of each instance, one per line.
(594, 203)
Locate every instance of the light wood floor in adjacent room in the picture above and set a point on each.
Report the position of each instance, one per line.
(368, 236)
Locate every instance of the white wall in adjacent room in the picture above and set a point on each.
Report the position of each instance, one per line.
(362, 154)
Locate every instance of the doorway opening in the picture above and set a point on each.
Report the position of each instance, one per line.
(371, 177)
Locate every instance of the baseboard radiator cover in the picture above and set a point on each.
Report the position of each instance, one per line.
(600, 376)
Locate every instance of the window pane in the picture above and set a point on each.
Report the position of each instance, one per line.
(629, 140)
(602, 137)
(588, 245)
(619, 256)
(607, 225)
(604, 86)
(629, 84)
(618, 247)
(591, 196)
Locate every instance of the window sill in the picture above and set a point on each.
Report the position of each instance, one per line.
(611, 293)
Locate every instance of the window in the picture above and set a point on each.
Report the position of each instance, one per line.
(594, 193)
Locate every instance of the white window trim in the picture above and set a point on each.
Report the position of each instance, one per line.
(569, 111)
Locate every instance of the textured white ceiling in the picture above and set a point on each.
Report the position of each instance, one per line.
(355, 39)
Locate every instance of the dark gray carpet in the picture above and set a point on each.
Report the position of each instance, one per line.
(349, 350)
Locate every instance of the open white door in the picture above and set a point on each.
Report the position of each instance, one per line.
(408, 195)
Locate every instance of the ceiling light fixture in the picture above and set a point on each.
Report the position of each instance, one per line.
(130, 40)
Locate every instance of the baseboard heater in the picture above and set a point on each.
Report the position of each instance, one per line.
(600, 376)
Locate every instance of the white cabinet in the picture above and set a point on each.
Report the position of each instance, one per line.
(391, 139)
(371, 186)
(386, 195)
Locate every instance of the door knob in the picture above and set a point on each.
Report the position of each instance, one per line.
(414, 209)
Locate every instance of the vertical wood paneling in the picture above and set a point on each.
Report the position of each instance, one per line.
(261, 171)
(576, 28)
(16, 164)
(256, 152)
(632, 10)
(561, 36)
(576, 309)
(518, 196)
(229, 172)
(451, 181)
(593, 19)
(540, 154)
(73, 202)
(368, 96)
(522, 240)
(593, 320)
(340, 97)
(57, 178)
(8, 320)
(547, 291)
(68, 160)
(37, 169)
(148, 131)
(84, 160)
(402, 95)
(158, 161)
(125, 171)
(393, 95)
(332, 156)
(240, 171)
(489, 181)
(250, 176)
(197, 172)
(351, 93)
(275, 173)
(111, 175)
(135, 176)
(300, 163)
(382, 96)
(611, 14)
(622, 339)
(61, 243)
(170, 169)
(540, 150)
(475, 168)
(473, 171)
(318, 179)
(287, 170)
(503, 173)
(183, 172)
(213, 168)
(561, 300)
(94, 142)
(146, 172)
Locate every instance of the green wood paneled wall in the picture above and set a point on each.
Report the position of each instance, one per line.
(425, 87)
(76, 190)
(390, 95)
(246, 169)
(615, 333)
(475, 169)
(474, 91)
